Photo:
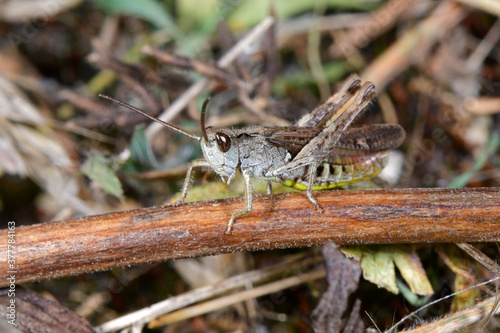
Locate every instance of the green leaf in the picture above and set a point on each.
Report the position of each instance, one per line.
(333, 72)
(377, 265)
(410, 266)
(378, 262)
(250, 12)
(462, 265)
(149, 10)
(195, 15)
(99, 169)
(490, 149)
(410, 296)
(378, 268)
(219, 190)
(141, 154)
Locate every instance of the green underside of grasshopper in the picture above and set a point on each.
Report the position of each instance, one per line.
(333, 176)
(303, 186)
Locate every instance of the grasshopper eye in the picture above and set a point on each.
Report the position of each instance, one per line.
(223, 141)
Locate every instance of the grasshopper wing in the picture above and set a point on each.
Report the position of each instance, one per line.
(358, 144)
(324, 114)
(315, 152)
(355, 145)
(292, 138)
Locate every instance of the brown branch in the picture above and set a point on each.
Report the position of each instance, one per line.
(102, 242)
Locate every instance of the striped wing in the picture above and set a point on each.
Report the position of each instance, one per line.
(355, 145)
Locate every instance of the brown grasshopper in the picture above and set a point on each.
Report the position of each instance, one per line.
(320, 151)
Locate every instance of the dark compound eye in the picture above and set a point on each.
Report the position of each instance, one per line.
(223, 141)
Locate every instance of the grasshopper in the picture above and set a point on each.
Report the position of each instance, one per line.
(320, 151)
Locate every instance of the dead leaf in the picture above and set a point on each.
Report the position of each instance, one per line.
(343, 277)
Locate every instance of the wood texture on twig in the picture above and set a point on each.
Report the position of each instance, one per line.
(102, 242)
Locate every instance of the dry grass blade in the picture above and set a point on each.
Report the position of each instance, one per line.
(414, 45)
(206, 69)
(490, 6)
(290, 29)
(237, 298)
(483, 105)
(460, 319)
(480, 257)
(377, 23)
(144, 316)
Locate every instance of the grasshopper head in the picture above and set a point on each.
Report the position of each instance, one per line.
(220, 148)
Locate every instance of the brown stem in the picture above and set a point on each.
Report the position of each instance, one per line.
(102, 242)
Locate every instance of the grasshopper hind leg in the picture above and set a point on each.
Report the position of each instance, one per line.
(310, 184)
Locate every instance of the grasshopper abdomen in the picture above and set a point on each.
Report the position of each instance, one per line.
(330, 176)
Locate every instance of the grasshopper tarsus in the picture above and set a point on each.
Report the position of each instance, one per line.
(312, 199)
(172, 204)
(248, 201)
(269, 187)
(320, 151)
(233, 218)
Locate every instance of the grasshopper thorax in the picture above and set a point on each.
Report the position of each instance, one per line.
(220, 148)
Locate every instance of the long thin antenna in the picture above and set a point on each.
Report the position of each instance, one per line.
(202, 118)
(175, 128)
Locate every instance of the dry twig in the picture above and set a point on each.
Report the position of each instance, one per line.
(155, 234)
(415, 44)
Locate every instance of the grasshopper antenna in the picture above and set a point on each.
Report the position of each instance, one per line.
(175, 128)
(202, 119)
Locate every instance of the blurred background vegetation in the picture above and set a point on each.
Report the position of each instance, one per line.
(64, 152)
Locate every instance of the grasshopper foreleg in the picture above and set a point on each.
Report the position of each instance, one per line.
(248, 200)
(188, 181)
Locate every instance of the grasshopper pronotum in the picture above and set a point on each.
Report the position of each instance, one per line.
(320, 151)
